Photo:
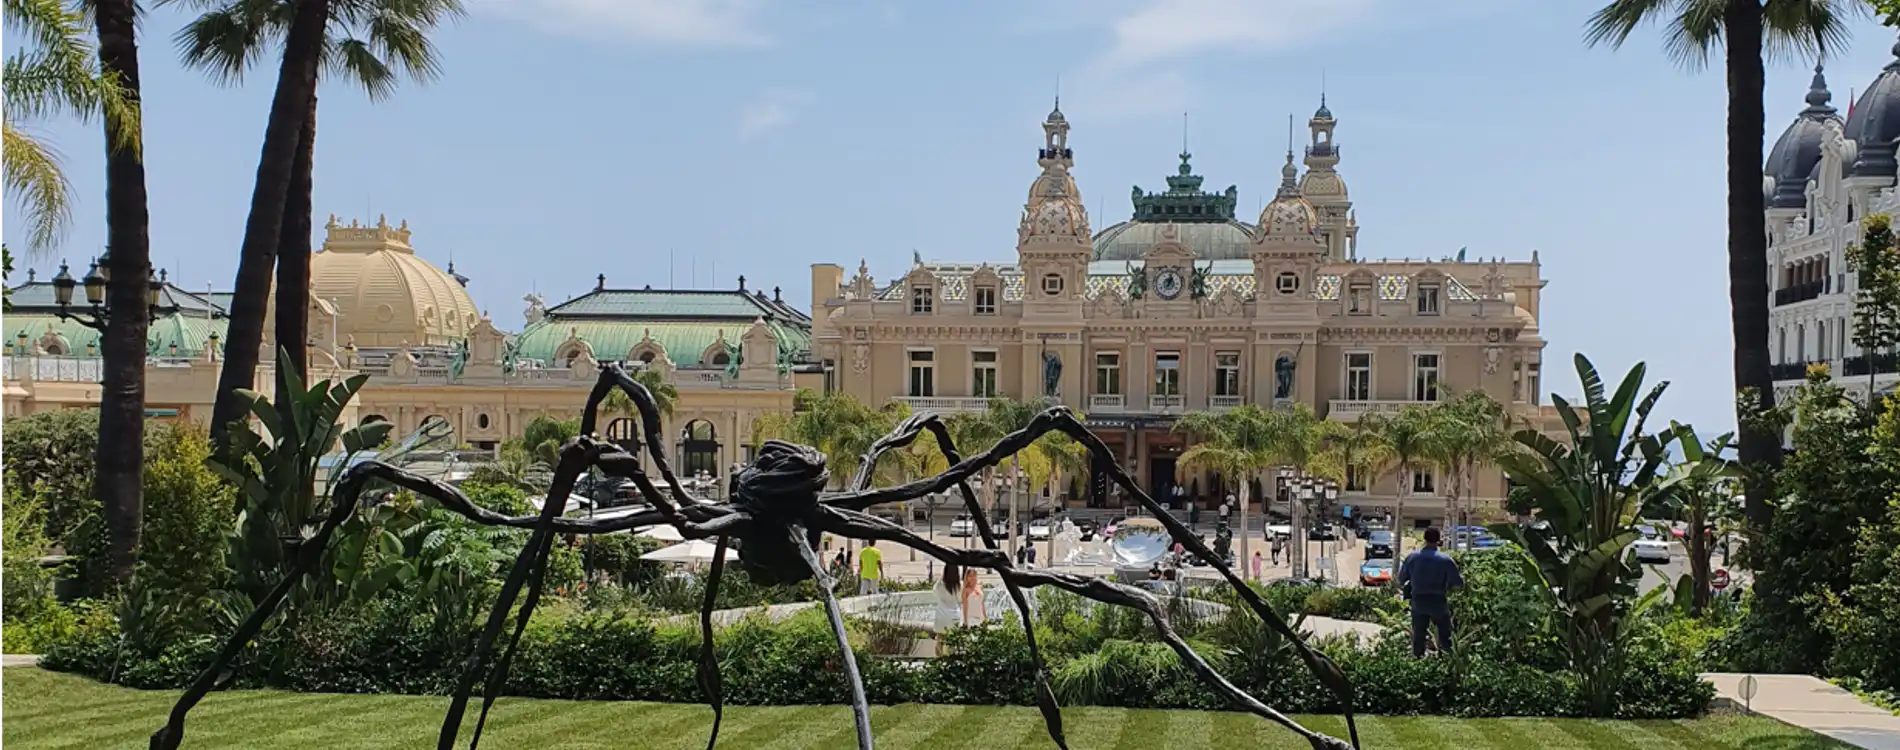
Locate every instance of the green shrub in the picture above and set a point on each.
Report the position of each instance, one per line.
(189, 512)
(26, 588)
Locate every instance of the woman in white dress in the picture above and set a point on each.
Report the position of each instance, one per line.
(949, 603)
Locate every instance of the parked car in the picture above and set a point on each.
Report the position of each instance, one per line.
(1041, 529)
(1376, 572)
(1280, 531)
(1651, 551)
(1324, 532)
(963, 525)
(1379, 545)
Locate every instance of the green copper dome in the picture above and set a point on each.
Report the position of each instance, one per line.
(1203, 221)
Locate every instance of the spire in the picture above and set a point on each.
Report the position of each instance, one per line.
(1289, 179)
(1818, 95)
(1055, 140)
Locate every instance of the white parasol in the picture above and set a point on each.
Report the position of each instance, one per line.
(695, 551)
(663, 533)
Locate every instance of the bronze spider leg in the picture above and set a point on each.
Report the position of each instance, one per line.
(907, 432)
(576, 456)
(854, 523)
(860, 708)
(615, 375)
(1061, 419)
(707, 674)
(1108, 592)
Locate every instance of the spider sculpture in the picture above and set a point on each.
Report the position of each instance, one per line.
(777, 512)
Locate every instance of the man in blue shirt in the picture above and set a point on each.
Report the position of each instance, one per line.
(1427, 578)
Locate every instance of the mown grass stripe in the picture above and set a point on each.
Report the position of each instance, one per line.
(958, 729)
(1522, 734)
(1636, 733)
(769, 725)
(918, 725)
(130, 729)
(1374, 731)
(1594, 734)
(1142, 729)
(1233, 729)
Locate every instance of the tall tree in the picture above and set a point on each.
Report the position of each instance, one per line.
(1745, 29)
(1412, 438)
(1472, 430)
(122, 390)
(371, 44)
(1876, 265)
(57, 70)
(1238, 444)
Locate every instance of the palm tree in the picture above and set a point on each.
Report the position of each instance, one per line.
(1471, 429)
(1237, 444)
(664, 395)
(837, 424)
(1413, 441)
(55, 72)
(1745, 29)
(1353, 450)
(371, 42)
(122, 392)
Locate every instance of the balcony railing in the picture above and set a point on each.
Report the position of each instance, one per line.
(1166, 403)
(945, 403)
(1352, 410)
(1803, 292)
(1225, 402)
(1789, 370)
(1880, 364)
(1107, 402)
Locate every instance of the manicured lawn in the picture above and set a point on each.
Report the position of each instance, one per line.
(43, 710)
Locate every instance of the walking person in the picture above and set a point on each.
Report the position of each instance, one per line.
(1279, 548)
(1426, 578)
(870, 569)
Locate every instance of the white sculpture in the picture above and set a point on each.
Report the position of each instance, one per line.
(537, 308)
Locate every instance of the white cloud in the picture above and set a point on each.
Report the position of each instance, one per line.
(686, 23)
(770, 110)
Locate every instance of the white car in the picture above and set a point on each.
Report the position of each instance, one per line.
(1651, 551)
(1040, 530)
(1280, 530)
(963, 526)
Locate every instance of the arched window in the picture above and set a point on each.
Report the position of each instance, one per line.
(722, 359)
(646, 357)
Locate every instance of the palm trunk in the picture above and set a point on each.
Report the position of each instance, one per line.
(1398, 513)
(122, 394)
(1748, 245)
(1698, 558)
(263, 230)
(293, 257)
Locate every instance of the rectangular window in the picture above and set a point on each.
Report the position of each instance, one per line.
(1359, 300)
(983, 374)
(921, 300)
(923, 374)
(1428, 299)
(986, 300)
(1535, 385)
(1167, 374)
(1424, 377)
(1422, 482)
(831, 375)
(1359, 376)
(1108, 374)
(1227, 373)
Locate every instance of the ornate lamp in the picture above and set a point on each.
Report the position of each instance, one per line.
(63, 286)
(154, 286)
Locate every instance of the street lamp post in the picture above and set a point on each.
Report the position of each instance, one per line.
(97, 278)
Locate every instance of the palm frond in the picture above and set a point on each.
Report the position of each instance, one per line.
(34, 178)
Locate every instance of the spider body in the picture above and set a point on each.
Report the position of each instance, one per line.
(777, 513)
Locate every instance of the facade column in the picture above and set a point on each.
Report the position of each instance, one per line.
(1197, 369)
(1138, 375)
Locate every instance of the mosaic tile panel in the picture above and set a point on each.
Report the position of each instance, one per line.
(1457, 291)
(1097, 285)
(955, 288)
(1013, 287)
(1327, 287)
(1394, 287)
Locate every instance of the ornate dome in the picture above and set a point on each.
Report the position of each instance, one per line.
(1201, 220)
(1058, 219)
(385, 294)
(1290, 215)
(1798, 152)
(1875, 123)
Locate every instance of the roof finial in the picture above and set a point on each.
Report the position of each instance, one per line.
(1818, 95)
(1289, 137)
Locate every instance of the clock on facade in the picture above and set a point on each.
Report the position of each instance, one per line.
(1168, 283)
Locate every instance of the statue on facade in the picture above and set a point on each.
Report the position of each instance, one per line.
(1051, 374)
(777, 511)
(1197, 280)
(1283, 377)
(537, 308)
(1137, 280)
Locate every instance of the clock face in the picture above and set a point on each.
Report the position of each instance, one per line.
(1168, 284)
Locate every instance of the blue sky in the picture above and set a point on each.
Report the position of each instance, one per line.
(569, 138)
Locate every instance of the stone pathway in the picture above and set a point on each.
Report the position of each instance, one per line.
(1813, 704)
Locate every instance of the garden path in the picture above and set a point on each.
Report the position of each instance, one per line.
(1813, 704)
